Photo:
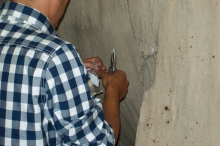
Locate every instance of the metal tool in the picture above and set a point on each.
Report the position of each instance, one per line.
(112, 67)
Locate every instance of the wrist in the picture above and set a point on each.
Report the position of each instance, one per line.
(112, 92)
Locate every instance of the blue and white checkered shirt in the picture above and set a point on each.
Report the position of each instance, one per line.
(44, 95)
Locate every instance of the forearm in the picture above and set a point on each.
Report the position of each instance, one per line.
(111, 107)
(116, 87)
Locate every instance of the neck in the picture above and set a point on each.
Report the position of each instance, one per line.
(41, 5)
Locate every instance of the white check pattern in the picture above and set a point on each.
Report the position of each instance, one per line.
(44, 95)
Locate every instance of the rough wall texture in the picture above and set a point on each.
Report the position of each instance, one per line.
(95, 27)
(177, 38)
(182, 107)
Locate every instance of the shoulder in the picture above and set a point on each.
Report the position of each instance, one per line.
(51, 44)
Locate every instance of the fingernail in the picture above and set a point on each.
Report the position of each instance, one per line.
(95, 63)
(96, 68)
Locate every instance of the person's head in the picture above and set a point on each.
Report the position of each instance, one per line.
(53, 9)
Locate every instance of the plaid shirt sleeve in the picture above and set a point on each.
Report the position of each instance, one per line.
(44, 95)
(77, 118)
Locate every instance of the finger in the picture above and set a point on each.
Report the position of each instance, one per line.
(97, 61)
(100, 72)
(88, 64)
(103, 67)
(92, 59)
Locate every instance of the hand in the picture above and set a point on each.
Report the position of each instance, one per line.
(116, 87)
(94, 62)
(117, 82)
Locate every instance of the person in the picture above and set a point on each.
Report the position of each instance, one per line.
(44, 92)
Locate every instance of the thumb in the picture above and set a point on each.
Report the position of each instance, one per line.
(100, 72)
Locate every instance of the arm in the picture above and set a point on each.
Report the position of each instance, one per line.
(116, 86)
(76, 117)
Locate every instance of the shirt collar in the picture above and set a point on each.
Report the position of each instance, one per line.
(28, 15)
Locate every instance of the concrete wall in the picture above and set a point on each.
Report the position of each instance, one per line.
(182, 107)
(95, 27)
(170, 51)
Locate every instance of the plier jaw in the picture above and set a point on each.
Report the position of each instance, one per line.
(112, 67)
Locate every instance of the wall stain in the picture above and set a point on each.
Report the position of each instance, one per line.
(166, 108)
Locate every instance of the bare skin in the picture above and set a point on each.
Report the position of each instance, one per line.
(93, 62)
(116, 87)
(116, 84)
(52, 9)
